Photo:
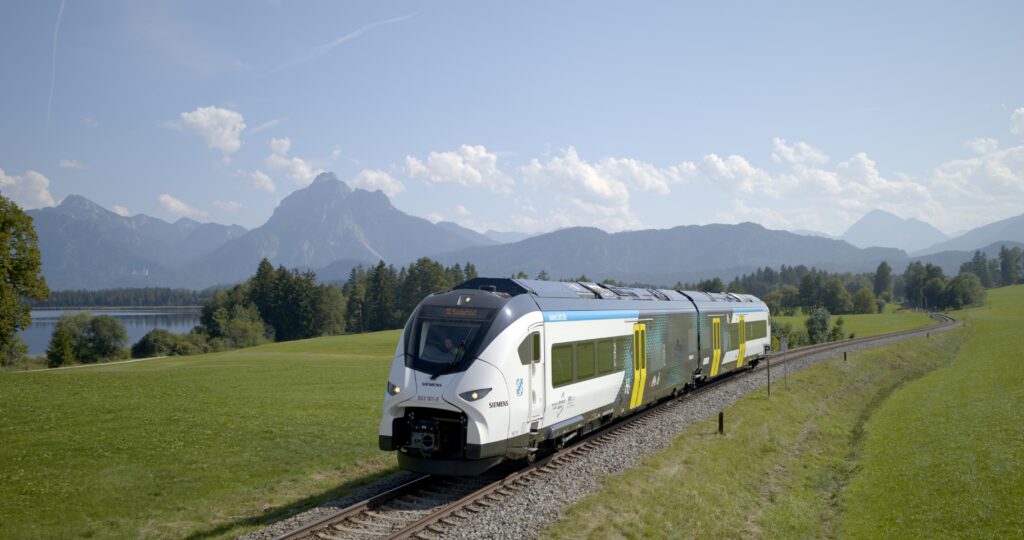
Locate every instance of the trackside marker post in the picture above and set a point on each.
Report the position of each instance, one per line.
(721, 422)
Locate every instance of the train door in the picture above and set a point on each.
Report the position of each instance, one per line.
(639, 364)
(743, 340)
(536, 376)
(716, 345)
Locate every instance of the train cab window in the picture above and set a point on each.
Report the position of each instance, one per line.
(585, 361)
(605, 357)
(529, 349)
(561, 365)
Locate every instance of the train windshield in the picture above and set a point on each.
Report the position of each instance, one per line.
(444, 345)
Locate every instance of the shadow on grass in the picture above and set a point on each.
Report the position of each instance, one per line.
(285, 511)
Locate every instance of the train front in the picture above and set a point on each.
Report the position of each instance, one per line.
(446, 409)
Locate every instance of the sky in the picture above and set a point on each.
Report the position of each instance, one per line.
(525, 116)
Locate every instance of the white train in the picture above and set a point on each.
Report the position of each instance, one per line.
(502, 369)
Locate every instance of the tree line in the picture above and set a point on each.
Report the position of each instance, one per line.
(124, 297)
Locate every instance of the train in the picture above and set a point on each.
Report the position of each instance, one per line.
(500, 369)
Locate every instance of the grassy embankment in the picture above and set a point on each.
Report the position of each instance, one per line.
(924, 438)
(206, 445)
(893, 319)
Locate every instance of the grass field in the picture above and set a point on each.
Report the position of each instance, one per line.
(201, 446)
(922, 439)
(892, 320)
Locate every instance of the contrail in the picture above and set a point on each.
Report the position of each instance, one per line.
(53, 70)
(317, 52)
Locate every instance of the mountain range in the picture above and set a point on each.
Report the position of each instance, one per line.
(881, 229)
(330, 228)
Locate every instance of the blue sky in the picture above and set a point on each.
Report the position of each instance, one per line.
(526, 116)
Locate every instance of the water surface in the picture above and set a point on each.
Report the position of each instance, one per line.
(136, 321)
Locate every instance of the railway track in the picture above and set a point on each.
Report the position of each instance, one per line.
(427, 506)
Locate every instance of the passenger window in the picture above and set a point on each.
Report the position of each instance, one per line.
(585, 360)
(605, 357)
(561, 365)
(620, 352)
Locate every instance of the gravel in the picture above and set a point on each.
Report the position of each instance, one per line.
(525, 513)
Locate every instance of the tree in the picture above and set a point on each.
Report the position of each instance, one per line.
(711, 285)
(811, 291)
(61, 351)
(1009, 265)
(543, 276)
(836, 298)
(103, 339)
(883, 279)
(21, 277)
(380, 298)
(963, 290)
(836, 333)
(864, 301)
(160, 342)
(817, 324)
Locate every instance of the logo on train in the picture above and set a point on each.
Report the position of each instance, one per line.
(519, 387)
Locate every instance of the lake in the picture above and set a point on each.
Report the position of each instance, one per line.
(136, 321)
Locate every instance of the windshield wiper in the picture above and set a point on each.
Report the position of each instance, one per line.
(458, 357)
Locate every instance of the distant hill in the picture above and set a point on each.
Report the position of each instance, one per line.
(882, 229)
(806, 232)
(506, 237)
(664, 256)
(85, 246)
(469, 235)
(326, 222)
(950, 261)
(1011, 229)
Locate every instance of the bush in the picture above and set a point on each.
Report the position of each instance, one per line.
(87, 339)
(817, 325)
(160, 342)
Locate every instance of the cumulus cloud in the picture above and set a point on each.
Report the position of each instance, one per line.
(982, 145)
(296, 169)
(71, 164)
(121, 210)
(221, 129)
(595, 198)
(374, 179)
(990, 177)
(30, 190)
(1017, 121)
(797, 153)
(470, 166)
(176, 208)
(228, 206)
(260, 180)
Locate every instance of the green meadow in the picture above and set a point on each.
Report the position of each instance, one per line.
(893, 319)
(200, 446)
(920, 439)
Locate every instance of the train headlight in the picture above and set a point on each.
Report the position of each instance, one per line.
(474, 395)
(394, 389)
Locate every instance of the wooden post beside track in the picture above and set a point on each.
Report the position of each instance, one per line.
(721, 422)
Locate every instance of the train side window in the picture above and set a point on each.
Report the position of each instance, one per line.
(585, 367)
(561, 365)
(620, 352)
(529, 349)
(605, 357)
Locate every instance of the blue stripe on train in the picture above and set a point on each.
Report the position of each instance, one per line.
(565, 316)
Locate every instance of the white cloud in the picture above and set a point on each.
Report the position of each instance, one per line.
(296, 169)
(1017, 121)
(984, 179)
(30, 190)
(589, 197)
(733, 173)
(982, 145)
(461, 210)
(220, 128)
(71, 164)
(374, 179)
(176, 208)
(120, 210)
(434, 217)
(470, 166)
(798, 153)
(259, 180)
(228, 206)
